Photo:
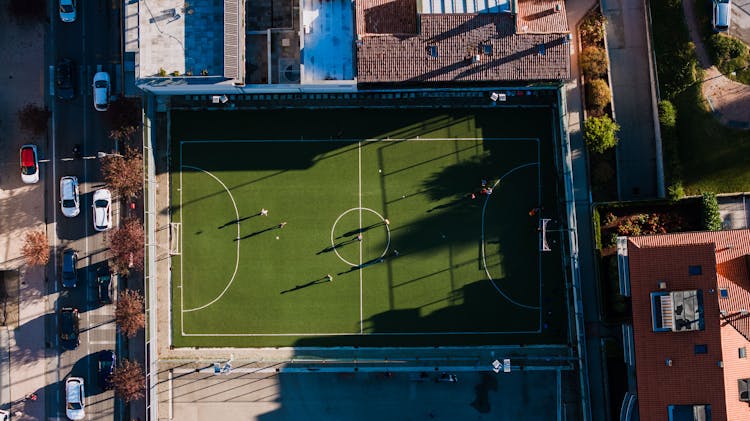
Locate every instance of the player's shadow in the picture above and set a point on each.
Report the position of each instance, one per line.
(361, 230)
(253, 234)
(237, 221)
(337, 245)
(321, 280)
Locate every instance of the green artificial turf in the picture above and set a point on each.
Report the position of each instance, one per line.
(418, 280)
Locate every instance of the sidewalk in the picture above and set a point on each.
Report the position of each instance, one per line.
(576, 9)
(23, 361)
(631, 88)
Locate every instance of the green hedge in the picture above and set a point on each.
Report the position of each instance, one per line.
(711, 216)
(596, 222)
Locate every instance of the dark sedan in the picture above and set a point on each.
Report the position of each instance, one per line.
(64, 76)
(107, 362)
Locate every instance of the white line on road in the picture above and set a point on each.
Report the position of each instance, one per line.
(102, 342)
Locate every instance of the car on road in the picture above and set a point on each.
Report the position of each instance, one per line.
(74, 398)
(101, 91)
(69, 202)
(68, 10)
(29, 164)
(447, 378)
(69, 273)
(69, 328)
(107, 361)
(722, 14)
(104, 287)
(102, 210)
(64, 71)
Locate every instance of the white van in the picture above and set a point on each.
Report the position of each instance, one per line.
(722, 14)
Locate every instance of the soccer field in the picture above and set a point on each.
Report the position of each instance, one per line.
(375, 233)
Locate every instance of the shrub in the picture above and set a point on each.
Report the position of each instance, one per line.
(162, 72)
(667, 114)
(597, 94)
(34, 119)
(711, 216)
(35, 249)
(610, 218)
(600, 133)
(594, 62)
(592, 28)
(675, 191)
(725, 48)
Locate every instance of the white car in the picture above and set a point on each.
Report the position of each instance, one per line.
(102, 210)
(722, 14)
(101, 91)
(68, 10)
(29, 164)
(74, 395)
(69, 204)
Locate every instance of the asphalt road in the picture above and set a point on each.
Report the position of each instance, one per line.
(91, 41)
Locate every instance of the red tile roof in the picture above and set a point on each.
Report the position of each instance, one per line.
(456, 39)
(541, 17)
(692, 378)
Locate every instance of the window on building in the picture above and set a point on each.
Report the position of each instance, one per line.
(743, 352)
(701, 349)
(744, 387)
(677, 311)
(723, 293)
(690, 412)
(695, 269)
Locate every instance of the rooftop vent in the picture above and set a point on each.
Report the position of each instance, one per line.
(668, 362)
(432, 50)
(723, 293)
(662, 284)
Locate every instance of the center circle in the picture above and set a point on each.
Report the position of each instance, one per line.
(350, 231)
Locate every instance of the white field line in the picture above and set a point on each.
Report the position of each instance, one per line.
(237, 257)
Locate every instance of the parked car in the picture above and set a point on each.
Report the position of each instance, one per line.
(68, 10)
(101, 91)
(102, 210)
(447, 378)
(722, 14)
(104, 287)
(29, 164)
(69, 273)
(74, 398)
(69, 203)
(107, 361)
(69, 328)
(64, 77)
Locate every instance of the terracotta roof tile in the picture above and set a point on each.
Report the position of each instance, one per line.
(456, 38)
(542, 17)
(692, 379)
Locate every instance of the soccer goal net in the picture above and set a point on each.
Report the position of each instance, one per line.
(175, 232)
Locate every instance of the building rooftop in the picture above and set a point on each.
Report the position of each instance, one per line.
(397, 45)
(681, 368)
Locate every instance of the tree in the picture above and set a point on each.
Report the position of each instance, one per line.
(597, 95)
(600, 133)
(129, 380)
(711, 216)
(124, 134)
(130, 312)
(34, 119)
(36, 248)
(126, 246)
(124, 172)
(594, 62)
(592, 28)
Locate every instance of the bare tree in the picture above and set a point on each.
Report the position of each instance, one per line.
(126, 246)
(124, 172)
(36, 248)
(130, 313)
(129, 380)
(34, 119)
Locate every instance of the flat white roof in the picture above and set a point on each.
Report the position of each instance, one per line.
(464, 6)
(328, 40)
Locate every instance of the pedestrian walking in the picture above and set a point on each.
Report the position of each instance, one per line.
(281, 225)
(396, 253)
(359, 237)
(329, 277)
(387, 221)
(263, 212)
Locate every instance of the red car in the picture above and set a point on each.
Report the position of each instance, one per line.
(29, 164)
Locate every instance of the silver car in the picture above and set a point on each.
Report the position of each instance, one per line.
(69, 204)
(74, 396)
(101, 91)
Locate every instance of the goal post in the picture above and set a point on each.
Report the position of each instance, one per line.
(175, 233)
(543, 245)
